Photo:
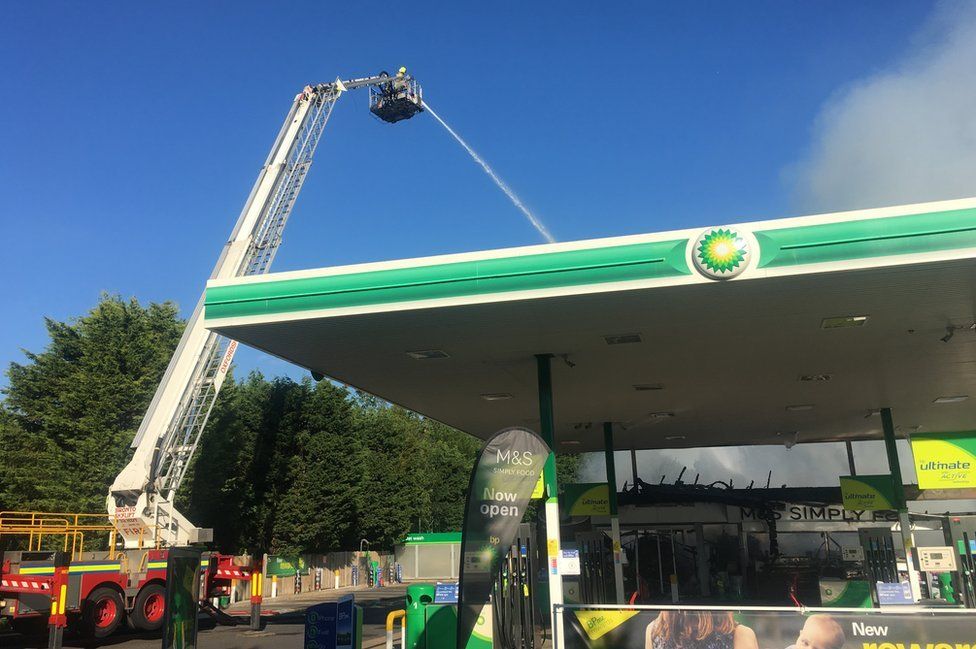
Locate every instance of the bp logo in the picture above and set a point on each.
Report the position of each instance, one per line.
(721, 253)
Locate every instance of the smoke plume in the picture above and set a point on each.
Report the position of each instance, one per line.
(903, 135)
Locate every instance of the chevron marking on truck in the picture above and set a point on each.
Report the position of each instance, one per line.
(24, 585)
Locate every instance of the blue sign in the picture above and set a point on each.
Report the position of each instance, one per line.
(895, 594)
(446, 593)
(320, 626)
(345, 623)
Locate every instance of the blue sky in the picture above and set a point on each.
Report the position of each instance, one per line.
(130, 133)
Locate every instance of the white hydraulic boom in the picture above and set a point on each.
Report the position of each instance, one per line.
(140, 501)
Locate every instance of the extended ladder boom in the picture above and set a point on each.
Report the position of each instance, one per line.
(140, 501)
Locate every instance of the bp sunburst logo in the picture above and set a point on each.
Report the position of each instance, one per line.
(721, 253)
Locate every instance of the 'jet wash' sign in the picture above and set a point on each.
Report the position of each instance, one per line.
(501, 486)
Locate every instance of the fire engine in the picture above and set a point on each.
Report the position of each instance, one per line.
(127, 580)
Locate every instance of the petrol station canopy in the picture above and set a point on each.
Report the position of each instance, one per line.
(771, 332)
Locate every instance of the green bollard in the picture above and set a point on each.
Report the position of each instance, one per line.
(418, 597)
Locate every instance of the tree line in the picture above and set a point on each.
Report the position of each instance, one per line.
(290, 466)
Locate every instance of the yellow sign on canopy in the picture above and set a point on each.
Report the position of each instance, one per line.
(945, 460)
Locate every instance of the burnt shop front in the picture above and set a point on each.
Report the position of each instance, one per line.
(788, 554)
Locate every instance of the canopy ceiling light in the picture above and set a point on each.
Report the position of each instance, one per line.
(843, 322)
(622, 339)
(952, 399)
(428, 354)
(496, 396)
(800, 407)
(815, 378)
(652, 418)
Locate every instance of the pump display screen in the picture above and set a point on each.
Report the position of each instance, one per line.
(937, 559)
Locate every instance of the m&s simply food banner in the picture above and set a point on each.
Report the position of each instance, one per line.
(766, 629)
(502, 482)
(945, 460)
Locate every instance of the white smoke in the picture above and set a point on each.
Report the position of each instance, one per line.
(906, 134)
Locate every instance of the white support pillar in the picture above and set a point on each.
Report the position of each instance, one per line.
(547, 431)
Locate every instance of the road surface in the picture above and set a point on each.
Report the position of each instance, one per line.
(282, 624)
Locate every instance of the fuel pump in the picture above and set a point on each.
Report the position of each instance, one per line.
(960, 534)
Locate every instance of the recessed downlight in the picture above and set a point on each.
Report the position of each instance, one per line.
(428, 354)
(952, 399)
(496, 396)
(622, 339)
(815, 378)
(800, 407)
(648, 387)
(844, 322)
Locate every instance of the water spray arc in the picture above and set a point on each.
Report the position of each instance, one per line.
(536, 223)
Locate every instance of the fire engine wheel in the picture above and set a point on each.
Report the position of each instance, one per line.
(103, 612)
(147, 614)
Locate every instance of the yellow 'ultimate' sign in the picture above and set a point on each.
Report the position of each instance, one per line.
(945, 460)
(867, 492)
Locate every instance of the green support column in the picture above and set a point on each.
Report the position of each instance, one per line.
(894, 464)
(618, 569)
(898, 490)
(546, 425)
(547, 431)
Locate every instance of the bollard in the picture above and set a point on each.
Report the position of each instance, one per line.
(390, 620)
(59, 595)
(419, 596)
(256, 586)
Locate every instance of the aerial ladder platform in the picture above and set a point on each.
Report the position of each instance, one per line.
(140, 501)
(128, 579)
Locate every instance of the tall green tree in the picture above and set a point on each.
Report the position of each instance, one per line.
(318, 513)
(72, 409)
(450, 456)
(284, 466)
(393, 495)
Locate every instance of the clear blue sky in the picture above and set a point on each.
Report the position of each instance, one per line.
(130, 133)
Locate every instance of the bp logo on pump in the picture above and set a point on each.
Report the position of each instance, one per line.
(721, 253)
